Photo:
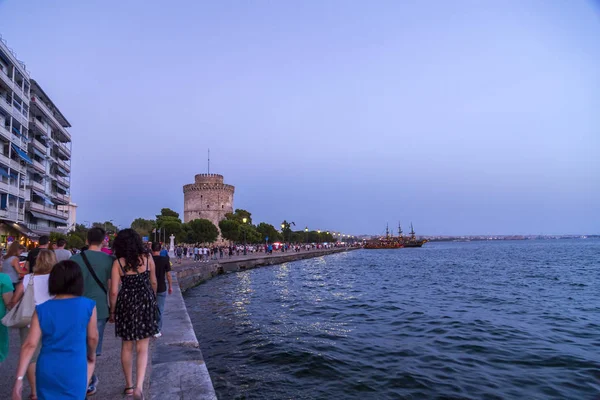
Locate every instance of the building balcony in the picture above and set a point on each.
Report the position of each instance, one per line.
(7, 81)
(12, 214)
(53, 212)
(37, 185)
(5, 104)
(12, 190)
(5, 133)
(14, 165)
(62, 180)
(40, 146)
(45, 129)
(62, 147)
(50, 115)
(38, 166)
(64, 164)
(61, 198)
(47, 229)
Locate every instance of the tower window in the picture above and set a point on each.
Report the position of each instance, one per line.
(222, 206)
(207, 206)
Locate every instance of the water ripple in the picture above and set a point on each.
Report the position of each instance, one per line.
(508, 320)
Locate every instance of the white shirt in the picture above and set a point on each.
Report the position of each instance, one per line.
(62, 254)
(40, 288)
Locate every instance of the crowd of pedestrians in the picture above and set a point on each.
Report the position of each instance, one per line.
(61, 302)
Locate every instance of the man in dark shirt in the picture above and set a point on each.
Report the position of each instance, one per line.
(32, 256)
(162, 268)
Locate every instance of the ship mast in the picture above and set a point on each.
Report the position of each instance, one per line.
(399, 230)
(412, 231)
(387, 230)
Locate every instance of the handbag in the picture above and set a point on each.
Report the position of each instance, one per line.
(20, 316)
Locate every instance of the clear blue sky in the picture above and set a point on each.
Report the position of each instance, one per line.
(465, 117)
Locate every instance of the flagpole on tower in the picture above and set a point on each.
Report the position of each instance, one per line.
(209, 161)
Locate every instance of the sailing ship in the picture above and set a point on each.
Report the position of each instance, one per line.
(385, 242)
(395, 242)
(412, 240)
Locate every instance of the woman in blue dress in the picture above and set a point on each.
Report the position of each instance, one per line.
(67, 327)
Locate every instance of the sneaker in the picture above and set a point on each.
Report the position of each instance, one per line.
(92, 388)
(158, 335)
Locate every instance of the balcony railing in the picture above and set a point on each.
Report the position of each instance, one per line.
(37, 185)
(44, 128)
(41, 228)
(39, 145)
(4, 132)
(6, 79)
(63, 180)
(66, 151)
(65, 198)
(64, 164)
(42, 106)
(12, 214)
(47, 210)
(39, 166)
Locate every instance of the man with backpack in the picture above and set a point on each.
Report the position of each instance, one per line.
(96, 267)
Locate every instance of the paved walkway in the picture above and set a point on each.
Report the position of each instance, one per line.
(108, 365)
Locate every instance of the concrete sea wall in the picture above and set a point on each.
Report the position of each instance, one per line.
(178, 370)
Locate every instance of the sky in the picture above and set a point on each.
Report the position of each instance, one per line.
(463, 117)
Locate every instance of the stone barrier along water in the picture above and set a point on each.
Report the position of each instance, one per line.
(178, 368)
(193, 274)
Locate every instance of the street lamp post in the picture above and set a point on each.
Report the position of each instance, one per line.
(319, 237)
(244, 220)
(306, 235)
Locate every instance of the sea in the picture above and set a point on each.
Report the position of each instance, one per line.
(456, 320)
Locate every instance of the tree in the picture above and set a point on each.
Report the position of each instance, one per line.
(268, 231)
(54, 236)
(203, 231)
(108, 226)
(74, 241)
(167, 212)
(286, 230)
(230, 229)
(168, 221)
(143, 226)
(239, 216)
(252, 235)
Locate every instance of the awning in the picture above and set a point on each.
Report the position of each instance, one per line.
(21, 229)
(43, 196)
(39, 153)
(48, 217)
(61, 170)
(22, 154)
(4, 173)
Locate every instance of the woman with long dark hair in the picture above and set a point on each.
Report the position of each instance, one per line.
(133, 309)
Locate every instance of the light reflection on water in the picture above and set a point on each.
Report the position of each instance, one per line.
(463, 320)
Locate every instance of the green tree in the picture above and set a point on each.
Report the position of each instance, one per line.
(167, 212)
(252, 235)
(54, 236)
(108, 226)
(143, 226)
(230, 229)
(185, 235)
(286, 230)
(74, 241)
(168, 221)
(203, 231)
(239, 216)
(267, 230)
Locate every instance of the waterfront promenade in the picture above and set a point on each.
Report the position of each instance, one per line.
(177, 366)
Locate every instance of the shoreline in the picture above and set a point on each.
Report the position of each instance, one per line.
(177, 353)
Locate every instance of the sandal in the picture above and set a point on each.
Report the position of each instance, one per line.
(128, 391)
(138, 397)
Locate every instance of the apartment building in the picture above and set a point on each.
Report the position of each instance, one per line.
(35, 154)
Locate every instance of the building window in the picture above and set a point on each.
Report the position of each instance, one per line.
(222, 206)
(207, 206)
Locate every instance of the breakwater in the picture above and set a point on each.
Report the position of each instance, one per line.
(190, 275)
(178, 369)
